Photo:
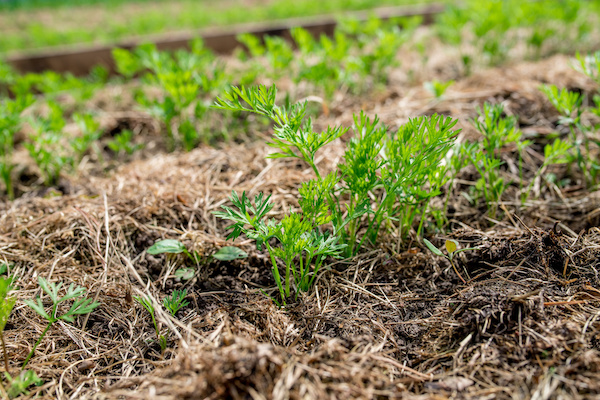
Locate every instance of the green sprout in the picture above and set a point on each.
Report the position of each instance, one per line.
(122, 143)
(556, 153)
(7, 303)
(438, 88)
(19, 384)
(81, 305)
(173, 304)
(176, 301)
(172, 246)
(146, 302)
(300, 246)
(452, 249)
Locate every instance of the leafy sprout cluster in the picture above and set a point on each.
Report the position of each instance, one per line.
(386, 182)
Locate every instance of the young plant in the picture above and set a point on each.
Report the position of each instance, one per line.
(294, 135)
(438, 88)
(10, 123)
(90, 132)
(589, 65)
(146, 302)
(176, 302)
(172, 246)
(46, 145)
(300, 246)
(583, 140)
(490, 184)
(452, 249)
(413, 173)
(566, 102)
(19, 384)
(122, 143)
(559, 152)
(81, 305)
(498, 132)
(7, 303)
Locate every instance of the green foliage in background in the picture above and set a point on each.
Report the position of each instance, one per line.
(493, 29)
(186, 80)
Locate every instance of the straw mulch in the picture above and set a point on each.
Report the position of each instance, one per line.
(386, 324)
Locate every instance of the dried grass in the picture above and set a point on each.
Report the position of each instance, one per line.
(382, 325)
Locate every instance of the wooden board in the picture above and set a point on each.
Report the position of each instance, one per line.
(80, 60)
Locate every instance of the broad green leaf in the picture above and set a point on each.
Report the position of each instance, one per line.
(451, 246)
(433, 249)
(170, 246)
(229, 253)
(184, 273)
(5, 310)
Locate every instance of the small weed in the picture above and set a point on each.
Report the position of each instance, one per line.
(122, 143)
(559, 152)
(7, 303)
(452, 249)
(89, 134)
(438, 88)
(146, 302)
(19, 384)
(589, 65)
(172, 246)
(582, 137)
(81, 305)
(176, 301)
(498, 132)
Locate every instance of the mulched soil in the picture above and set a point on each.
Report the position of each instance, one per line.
(395, 321)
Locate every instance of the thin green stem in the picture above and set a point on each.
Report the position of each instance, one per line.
(6, 366)
(316, 270)
(311, 162)
(369, 228)
(276, 275)
(287, 279)
(36, 344)
(6, 169)
(422, 219)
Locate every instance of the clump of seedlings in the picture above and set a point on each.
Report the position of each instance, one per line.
(185, 78)
(172, 303)
(388, 177)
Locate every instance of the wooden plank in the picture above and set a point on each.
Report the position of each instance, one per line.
(80, 60)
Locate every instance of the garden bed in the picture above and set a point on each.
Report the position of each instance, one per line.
(393, 321)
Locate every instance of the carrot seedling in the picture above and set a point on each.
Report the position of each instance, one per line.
(81, 305)
(452, 249)
(146, 302)
(299, 244)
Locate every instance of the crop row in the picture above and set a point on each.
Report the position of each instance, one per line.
(392, 182)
